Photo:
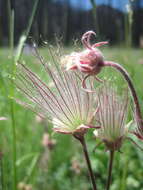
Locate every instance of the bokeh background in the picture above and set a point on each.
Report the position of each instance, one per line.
(25, 162)
(69, 19)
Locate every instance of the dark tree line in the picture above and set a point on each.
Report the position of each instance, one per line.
(53, 18)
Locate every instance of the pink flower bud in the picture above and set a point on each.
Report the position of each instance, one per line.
(88, 61)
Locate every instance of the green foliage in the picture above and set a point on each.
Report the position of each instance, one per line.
(52, 169)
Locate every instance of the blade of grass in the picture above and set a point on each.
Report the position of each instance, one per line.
(14, 61)
(124, 176)
(1, 174)
(26, 33)
(32, 168)
(11, 43)
(26, 157)
(123, 180)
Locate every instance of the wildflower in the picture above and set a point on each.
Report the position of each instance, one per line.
(69, 108)
(47, 142)
(88, 61)
(91, 61)
(111, 115)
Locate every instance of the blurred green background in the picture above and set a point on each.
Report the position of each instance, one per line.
(62, 167)
(24, 162)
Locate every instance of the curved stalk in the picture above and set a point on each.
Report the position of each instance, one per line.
(131, 87)
(82, 141)
(110, 169)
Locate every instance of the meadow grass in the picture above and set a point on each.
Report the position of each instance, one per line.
(53, 170)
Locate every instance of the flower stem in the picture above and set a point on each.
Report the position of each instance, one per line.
(110, 169)
(131, 87)
(82, 141)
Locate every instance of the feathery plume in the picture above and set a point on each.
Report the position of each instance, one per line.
(91, 61)
(111, 115)
(70, 109)
(66, 105)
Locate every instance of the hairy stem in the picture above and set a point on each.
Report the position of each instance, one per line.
(82, 141)
(110, 169)
(131, 87)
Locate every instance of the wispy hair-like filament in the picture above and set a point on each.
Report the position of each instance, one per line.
(111, 115)
(65, 104)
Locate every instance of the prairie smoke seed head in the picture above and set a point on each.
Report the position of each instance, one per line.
(65, 105)
(111, 115)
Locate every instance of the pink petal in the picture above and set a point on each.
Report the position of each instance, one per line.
(100, 44)
(61, 131)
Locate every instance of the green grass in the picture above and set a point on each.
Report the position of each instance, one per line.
(52, 170)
